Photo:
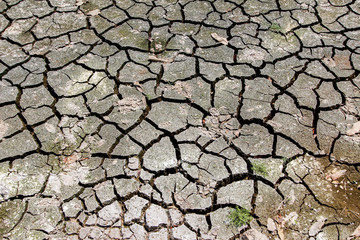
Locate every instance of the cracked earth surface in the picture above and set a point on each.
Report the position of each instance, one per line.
(140, 119)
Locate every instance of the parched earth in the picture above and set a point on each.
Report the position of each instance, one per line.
(154, 119)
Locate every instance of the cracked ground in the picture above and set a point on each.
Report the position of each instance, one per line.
(154, 119)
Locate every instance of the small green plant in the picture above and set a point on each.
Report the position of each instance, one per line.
(239, 217)
(286, 160)
(275, 27)
(260, 168)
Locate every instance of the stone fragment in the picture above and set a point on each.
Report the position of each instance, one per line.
(126, 233)
(72, 208)
(92, 220)
(72, 227)
(90, 233)
(114, 167)
(114, 233)
(197, 222)
(254, 234)
(160, 113)
(160, 156)
(110, 214)
(317, 226)
(94, 12)
(239, 193)
(91, 203)
(155, 216)
(271, 226)
(355, 129)
(159, 235)
(175, 216)
(105, 191)
(184, 233)
(138, 231)
(125, 186)
(134, 208)
(9, 147)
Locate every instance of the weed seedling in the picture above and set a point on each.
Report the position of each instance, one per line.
(275, 27)
(286, 160)
(148, 96)
(239, 217)
(260, 168)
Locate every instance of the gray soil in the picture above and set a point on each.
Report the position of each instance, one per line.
(155, 119)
